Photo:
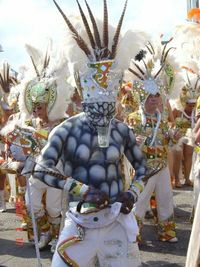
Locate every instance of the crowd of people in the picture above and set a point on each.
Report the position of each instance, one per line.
(89, 150)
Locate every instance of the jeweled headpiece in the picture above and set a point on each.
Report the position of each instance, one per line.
(149, 69)
(41, 89)
(100, 81)
(47, 84)
(39, 92)
(191, 89)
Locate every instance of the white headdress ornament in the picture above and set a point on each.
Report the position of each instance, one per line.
(48, 84)
(154, 71)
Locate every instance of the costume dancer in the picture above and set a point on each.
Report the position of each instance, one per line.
(154, 80)
(43, 102)
(193, 253)
(6, 82)
(90, 146)
(186, 40)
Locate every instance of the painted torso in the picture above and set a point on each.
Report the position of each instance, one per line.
(76, 145)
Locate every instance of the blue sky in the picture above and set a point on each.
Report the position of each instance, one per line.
(34, 21)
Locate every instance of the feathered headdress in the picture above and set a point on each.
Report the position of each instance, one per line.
(98, 49)
(47, 84)
(153, 71)
(96, 77)
(7, 81)
(187, 41)
(191, 89)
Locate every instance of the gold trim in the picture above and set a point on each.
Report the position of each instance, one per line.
(65, 244)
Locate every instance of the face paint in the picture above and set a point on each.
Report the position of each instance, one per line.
(99, 116)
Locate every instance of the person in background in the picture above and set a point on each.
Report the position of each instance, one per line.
(6, 82)
(155, 134)
(193, 252)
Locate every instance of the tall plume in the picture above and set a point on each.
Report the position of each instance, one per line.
(39, 62)
(117, 33)
(95, 28)
(100, 47)
(80, 42)
(6, 80)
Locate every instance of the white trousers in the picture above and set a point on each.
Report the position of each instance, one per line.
(109, 244)
(53, 198)
(161, 185)
(195, 176)
(193, 252)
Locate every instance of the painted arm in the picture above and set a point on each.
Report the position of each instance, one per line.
(48, 161)
(50, 156)
(138, 162)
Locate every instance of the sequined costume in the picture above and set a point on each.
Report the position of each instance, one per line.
(90, 148)
(152, 80)
(193, 252)
(7, 80)
(43, 99)
(195, 172)
(160, 183)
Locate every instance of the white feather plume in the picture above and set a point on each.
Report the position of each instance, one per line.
(129, 46)
(57, 71)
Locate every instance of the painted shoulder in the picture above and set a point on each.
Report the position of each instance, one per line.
(67, 125)
(121, 127)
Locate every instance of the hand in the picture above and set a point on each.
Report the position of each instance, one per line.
(97, 197)
(177, 135)
(140, 139)
(127, 200)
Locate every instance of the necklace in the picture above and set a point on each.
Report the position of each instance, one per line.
(155, 129)
(190, 117)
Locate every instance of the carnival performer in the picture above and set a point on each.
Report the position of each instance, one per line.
(46, 96)
(193, 137)
(186, 40)
(185, 119)
(193, 253)
(151, 87)
(90, 146)
(6, 82)
(43, 103)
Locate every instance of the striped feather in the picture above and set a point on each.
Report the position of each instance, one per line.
(105, 26)
(150, 48)
(135, 73)
(4, 78)
(117, 33)
(163, 51)
(81, 43)
(87, 27)
(95, 28)
(163, 59)
(195, 87)
(138, 67)
(158, 72)
(45, 64)
(35, 67)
